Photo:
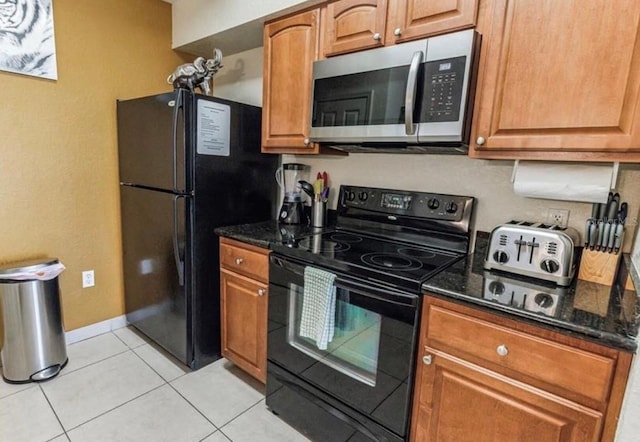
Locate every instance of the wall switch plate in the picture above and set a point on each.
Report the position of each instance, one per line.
(558, 216)
(88, 279)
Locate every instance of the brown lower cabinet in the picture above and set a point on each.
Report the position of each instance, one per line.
(484, 377)
(244, 284)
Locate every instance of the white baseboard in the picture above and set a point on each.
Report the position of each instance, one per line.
(89, 331)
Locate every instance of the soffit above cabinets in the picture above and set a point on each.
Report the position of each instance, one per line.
(199, 26)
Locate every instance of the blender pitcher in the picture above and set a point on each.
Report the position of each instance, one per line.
(287, 177)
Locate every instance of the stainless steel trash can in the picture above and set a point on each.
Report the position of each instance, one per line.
(34, 346)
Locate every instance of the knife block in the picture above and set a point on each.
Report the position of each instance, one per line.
(599, 267)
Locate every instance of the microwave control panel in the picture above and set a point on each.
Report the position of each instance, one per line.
(443, 80)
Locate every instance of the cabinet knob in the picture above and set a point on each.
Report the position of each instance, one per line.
(239, 261)
(397, 32)
(427, 359)
(502, 350)
(480, 141)
(306, 141)
(377, 36)
(262, 292)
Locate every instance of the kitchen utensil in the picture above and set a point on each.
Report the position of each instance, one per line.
(307, 187)
(622, 213)
(618, 240)
(598, 240)
(612, 236)
(602, 242)
(602, 210)
(605, 209)
(593, 234)
(317, 189)
(612, 208)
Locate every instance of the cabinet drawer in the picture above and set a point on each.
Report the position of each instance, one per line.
(540, 361)
(244, 259)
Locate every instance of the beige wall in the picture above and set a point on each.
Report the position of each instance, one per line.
(58, 167)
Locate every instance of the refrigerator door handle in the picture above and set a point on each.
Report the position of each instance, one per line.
(179, 105)
(176, 245)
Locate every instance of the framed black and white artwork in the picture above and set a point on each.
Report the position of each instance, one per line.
(27, 44)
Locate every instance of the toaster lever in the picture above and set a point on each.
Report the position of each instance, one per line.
(533, 244)
(520, 242)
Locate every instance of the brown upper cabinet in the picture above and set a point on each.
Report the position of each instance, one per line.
(290, 48)
(559, 80)
(413, 19)
(354, 25)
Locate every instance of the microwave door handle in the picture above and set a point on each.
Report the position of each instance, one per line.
(410, 95)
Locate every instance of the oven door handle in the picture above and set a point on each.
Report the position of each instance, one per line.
(329, 409)
(389, 295)
(295, 268)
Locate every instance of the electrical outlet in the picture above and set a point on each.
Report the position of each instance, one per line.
(88, 279)
(558, 216)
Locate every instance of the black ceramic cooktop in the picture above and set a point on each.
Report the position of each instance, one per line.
(402, 265)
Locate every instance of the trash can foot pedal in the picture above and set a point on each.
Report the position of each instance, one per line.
(49, 372)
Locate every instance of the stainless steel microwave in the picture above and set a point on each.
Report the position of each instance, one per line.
(411, 97)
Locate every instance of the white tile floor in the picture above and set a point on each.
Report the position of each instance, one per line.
(119, 387)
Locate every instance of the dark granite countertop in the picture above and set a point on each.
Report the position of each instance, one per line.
(265, 233)
(606, 315)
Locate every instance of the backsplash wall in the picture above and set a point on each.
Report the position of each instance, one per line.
(488, 181)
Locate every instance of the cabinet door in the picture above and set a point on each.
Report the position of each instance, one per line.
(559, 80)
(459, 401)
(353, 25)
(413, 19)
(244, 323)
(290, 48)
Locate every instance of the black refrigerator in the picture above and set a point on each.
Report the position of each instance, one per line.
(188, 164)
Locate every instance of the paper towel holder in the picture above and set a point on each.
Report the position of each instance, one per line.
(614, 173)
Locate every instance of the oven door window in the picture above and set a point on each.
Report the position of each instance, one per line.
(354, 347)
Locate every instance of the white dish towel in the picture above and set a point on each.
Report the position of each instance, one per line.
(318, 306)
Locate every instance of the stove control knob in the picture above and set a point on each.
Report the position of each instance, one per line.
(496, 288)
(350, 196)
(433, 203)
(500, 256)
(451, 207)
(363, 196)
(549, 266)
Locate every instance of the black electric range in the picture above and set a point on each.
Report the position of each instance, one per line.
(357, 384)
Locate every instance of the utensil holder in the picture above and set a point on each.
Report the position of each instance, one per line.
(318, 213)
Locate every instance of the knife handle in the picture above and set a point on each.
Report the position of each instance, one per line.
(587, 231)
(619, 235)
(603, 241)
(612, 237)
(592, 234)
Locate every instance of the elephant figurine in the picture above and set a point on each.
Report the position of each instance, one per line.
(197, 74)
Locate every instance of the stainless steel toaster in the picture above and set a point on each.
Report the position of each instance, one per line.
(537, 250)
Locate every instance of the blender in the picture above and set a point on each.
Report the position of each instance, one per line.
(287, 177)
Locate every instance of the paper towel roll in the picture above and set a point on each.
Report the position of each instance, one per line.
(563, 181)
